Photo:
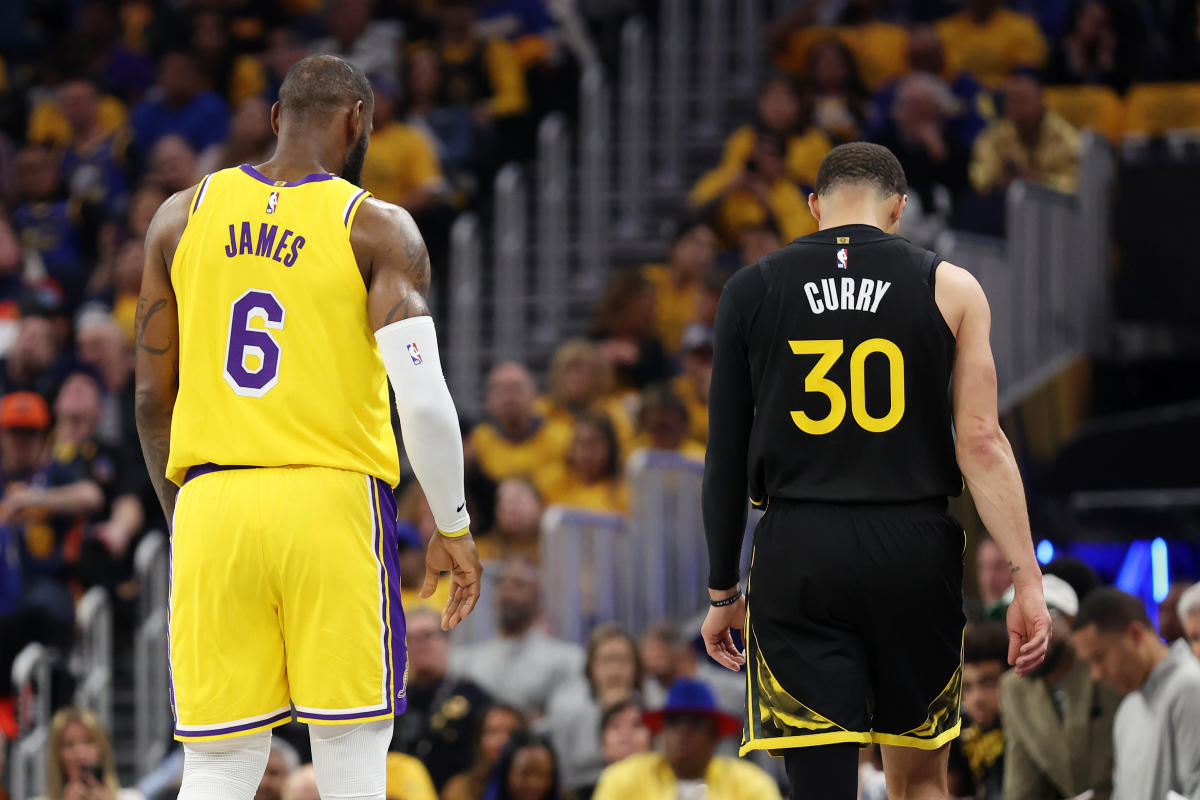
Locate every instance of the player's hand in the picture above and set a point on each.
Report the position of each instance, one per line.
(1028, 628)
(718, 640)
(458, 556)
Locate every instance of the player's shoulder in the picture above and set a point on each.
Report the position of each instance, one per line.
(958, 282)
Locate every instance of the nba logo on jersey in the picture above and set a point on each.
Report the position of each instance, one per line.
(842, 257)
(415, 354)
(272, 201)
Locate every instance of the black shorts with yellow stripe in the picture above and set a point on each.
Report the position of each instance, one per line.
(854, 626)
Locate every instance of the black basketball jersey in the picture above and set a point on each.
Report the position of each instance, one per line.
(850, 362)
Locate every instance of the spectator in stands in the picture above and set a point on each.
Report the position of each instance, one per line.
(758, 241)
(93, 162)
(282, 761)
(590, 475)
(1170, 623)
(691, 727)
(450, 127)
(173, 164)
(927, 54)
(34, 361)
(1058, 721)
(284, 49)
(623, 731)
(522, 666)
(121, 67)
(48, 225)
(101, 345)
(301, 785)
(407, 779)
(841, 101)
(1082, 578)
(990, 41)
(985, 659)
(142, 205)
(1156, 734)
(612, 674)
(624, 326)
(992, 574)
(1030, 143)
(1189, 614)
(514, 441)
(678, 283)
(692, 384)
(250, 141)
(780, 111)
(581, 384)
(935, 162)
(234, 76)
(527, 770)
(401, 165)
(443, 710)
(79, 759)
(179, 104)
(1092, 52)
(878, 46)
(664, 423)
(669, 656)
(499, 724)
(357, 36)
(414, 529)
(518, 519)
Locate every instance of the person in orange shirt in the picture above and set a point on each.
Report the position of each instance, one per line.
(991, 41)
(678, 283)
(590, 476)
(515, 441)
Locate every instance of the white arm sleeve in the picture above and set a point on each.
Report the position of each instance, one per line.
(428, 421)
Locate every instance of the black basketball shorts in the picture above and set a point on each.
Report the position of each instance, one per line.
(854, 626)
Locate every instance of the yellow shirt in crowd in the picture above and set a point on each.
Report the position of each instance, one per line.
(805, 151)
(648, 777)
(562, 424)
(674, 306)
(785, 204)
(880, 49)
(400, 160)
(500, 458)
(697, 409)
(559, 486)
(504, 70)
(991, 51)
(47, 125)
(407, 779)
(1054, 161)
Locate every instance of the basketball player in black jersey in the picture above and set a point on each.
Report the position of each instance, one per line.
(841, 363)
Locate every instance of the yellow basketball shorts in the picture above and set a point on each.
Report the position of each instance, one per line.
(285, 590)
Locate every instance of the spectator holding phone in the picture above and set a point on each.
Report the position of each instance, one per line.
(79, 760)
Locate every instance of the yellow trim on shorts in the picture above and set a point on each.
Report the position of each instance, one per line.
(917, 742)
(213, 737)
(811, 740)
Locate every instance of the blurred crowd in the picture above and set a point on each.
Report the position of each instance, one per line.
(109, 106)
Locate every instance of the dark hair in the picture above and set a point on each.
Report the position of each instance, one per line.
(862, 162)
(623, 288)
(661, 397)
(619, 707)
(681, 227)
(667, 632)
(1082, 578)
(601, 423)
(1111, 611)
(985, 641)
(503, 708)
(321, 84)
(606, 632)
(497, 785)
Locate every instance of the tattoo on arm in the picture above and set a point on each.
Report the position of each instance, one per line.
(1013, 568)
(416, 274)
(145, 313)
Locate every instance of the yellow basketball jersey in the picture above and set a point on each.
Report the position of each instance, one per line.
(277, 360)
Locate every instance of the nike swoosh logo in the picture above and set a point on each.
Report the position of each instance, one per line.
(460, 508)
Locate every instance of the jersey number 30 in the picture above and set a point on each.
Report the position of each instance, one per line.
(830, 350)
(251, 353)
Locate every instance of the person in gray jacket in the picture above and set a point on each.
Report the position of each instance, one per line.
(1058, 722)
(1156, 737)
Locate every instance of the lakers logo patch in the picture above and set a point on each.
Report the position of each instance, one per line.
(272, 201)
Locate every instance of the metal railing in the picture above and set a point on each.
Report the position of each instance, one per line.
(553, 215)
(153, 717)
(31, 683)
(511, 237)
(584, 556)
(672, 99)
(95, 654)
(595, 124)
(1047, 281)
(466, 297)
(633, 140)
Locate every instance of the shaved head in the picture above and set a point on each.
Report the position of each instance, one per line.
(319, 88)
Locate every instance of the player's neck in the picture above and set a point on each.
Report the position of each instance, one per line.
(850, 217)
(295, 159)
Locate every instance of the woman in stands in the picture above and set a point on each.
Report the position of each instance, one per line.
(527, 770)
(79, 760)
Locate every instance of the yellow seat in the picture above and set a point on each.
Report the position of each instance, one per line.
(1152, 109)
(1095, 107)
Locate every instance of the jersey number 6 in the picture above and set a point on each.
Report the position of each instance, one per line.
(251, 353)
(830, 350)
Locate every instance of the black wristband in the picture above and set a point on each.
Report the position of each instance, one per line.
(728, 601)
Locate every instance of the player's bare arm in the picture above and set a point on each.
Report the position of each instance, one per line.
(395, 265)
(156, 331)
(987, 461)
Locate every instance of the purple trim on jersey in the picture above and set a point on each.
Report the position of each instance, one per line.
(245, 726)
(398, 659)
(353, 203)
(200, 192)
(170, 607)
(209, 468)
(258, 176)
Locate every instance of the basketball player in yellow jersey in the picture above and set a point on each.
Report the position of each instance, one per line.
(276, 303)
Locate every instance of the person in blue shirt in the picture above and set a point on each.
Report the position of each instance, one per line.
(179, 105)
